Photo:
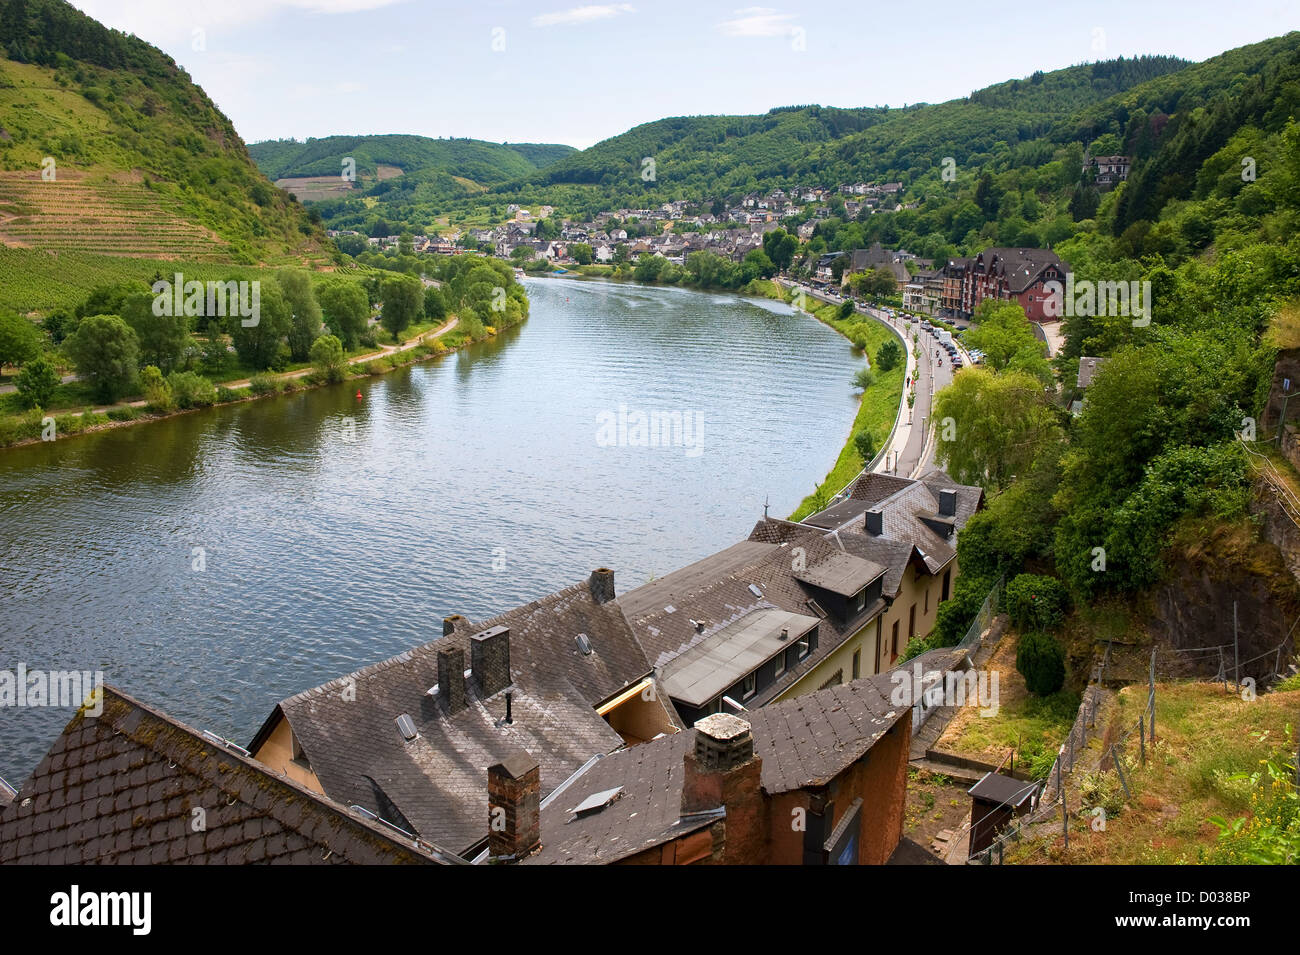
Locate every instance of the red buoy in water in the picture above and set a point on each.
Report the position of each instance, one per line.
(358, 394)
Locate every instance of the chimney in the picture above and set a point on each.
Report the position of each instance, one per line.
(602, 585)
(449, 624)
(947, 503)
(514, 807)
(451, 679)
(875, 522)
(489, 659)
(722, 771)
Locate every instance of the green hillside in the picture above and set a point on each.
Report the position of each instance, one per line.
(474, 159)
(106, 145)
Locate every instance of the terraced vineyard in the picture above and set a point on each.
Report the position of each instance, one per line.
(109, 215)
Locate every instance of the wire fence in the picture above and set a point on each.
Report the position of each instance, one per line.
(1051, 799)
(984, 617)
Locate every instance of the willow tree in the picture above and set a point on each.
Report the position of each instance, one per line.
(991, 428)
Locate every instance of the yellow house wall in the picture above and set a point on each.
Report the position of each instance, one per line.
(911, 591)
(277, 753)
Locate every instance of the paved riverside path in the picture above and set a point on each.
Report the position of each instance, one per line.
(909, 452)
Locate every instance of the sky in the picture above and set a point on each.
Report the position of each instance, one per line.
(560, 71)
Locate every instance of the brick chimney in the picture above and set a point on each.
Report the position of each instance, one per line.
(451, 679)
(875, 522)
(602, 585)
(722, 770)
(514, 807)
(489, 659)
(948, 503)
(449, 624)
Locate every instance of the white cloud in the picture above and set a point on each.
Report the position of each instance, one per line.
(582, 14)
(759, 21)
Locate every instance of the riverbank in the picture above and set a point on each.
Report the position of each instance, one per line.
(33, 426)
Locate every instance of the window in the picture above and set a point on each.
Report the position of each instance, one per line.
(927, 600)
(911, 622)
(780, 664)
(860, 602)
(805, 648)
(857, 663)
(749, 686)
(947, 579)
(893, 644)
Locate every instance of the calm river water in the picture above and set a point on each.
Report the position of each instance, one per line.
(334, 532)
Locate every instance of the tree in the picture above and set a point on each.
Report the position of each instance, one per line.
(1041, 662)
(1007, 339)
(1037, 602)
(157, 393)
(403, 303)
(780, 247)
(346, 310)
(840, 263)
(993, 427)
(37, 382)
(845, 310)
(888, 355)
(260, 344)
(865, 444)
(105, 352)
(304, 311)
(163, 338)
(327, 358)
(435, 304)
(20, 340)
(581, 253)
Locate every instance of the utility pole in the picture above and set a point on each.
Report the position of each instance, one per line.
(1151, 695)
(1236, 651)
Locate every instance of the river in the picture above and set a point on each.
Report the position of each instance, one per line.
(215, 562)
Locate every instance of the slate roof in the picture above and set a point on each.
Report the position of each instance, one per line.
(436, 784)
(840, 573)
(1087, 370)
(123, 788)
(904, 509)
(803, 742)
(1021, 267)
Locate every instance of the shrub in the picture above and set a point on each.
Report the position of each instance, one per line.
(865, 444)
(37, 382)
(888, 355)
(327, 358)
(1041, 662)
(1036, 601)
(157, 392)
(225, 394)
(191, 389)
(864, 378)
(264, 385)
(845, 310)
(124, 413)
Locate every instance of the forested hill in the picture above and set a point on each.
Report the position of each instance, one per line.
(146, 156)
(707, 156)
(483, 162)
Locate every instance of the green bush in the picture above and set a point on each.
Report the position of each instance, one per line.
(865, 444)
(124, 413)
(1034, 601)
(327, 358)
(191, 389)
(888, 355)
(864, 378)
(157, 392)
(1041, 662)
(262, 384)
(37, 382)
(225, 394)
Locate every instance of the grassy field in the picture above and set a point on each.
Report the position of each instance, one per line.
(1031, 726)
(877, 411)
(1210, 759)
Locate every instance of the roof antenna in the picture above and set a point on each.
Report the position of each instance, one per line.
(765, 505)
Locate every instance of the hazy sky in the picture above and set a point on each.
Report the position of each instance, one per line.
(559, 71)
